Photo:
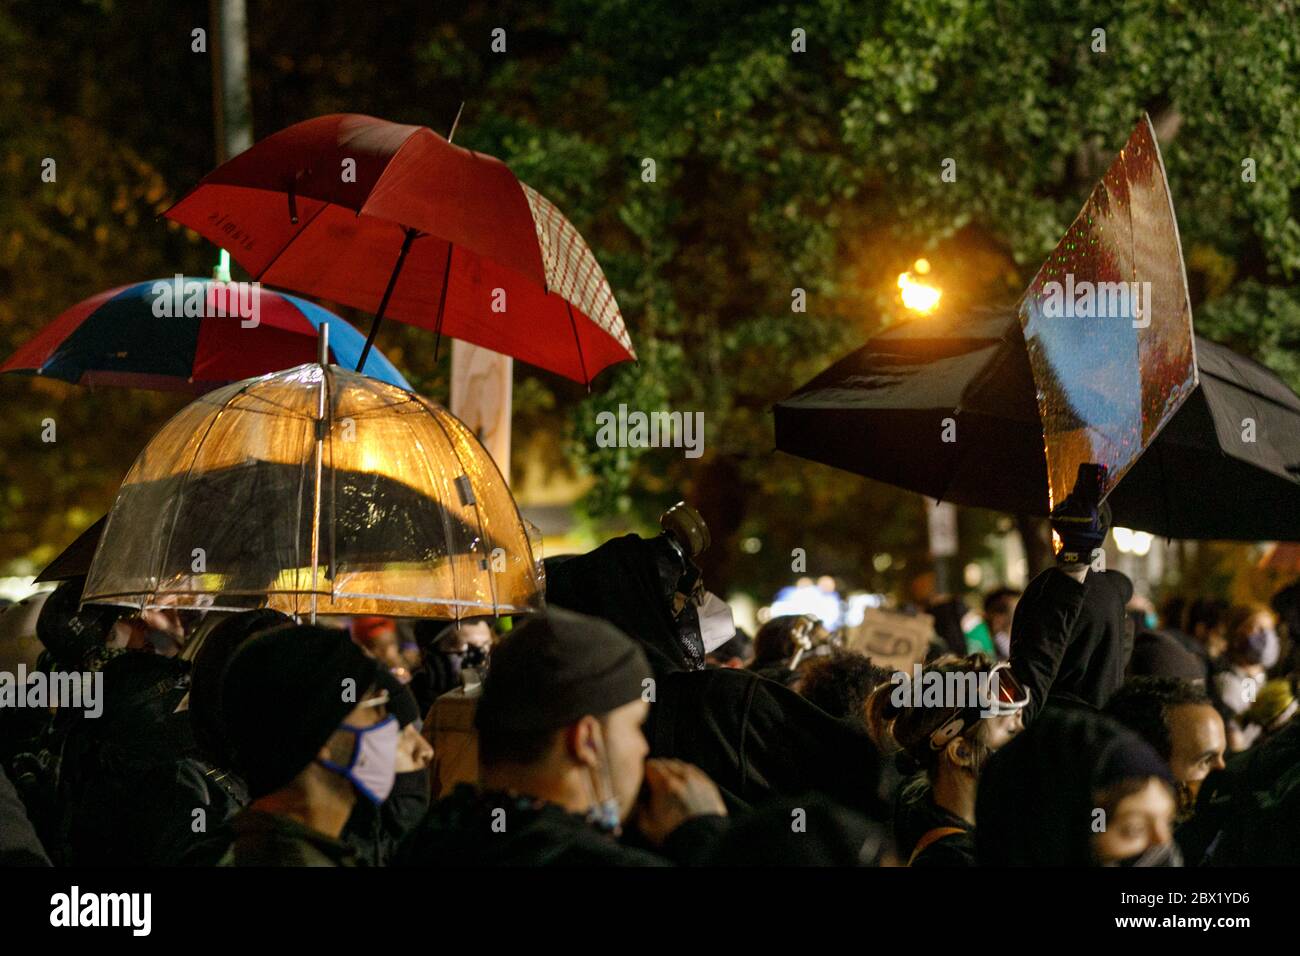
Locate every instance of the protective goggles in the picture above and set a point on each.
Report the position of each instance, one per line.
(1001, 695)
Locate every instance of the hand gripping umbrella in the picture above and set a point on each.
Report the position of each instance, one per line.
(397, 221)
(316, 490)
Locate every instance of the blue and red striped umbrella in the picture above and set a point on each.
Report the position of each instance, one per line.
(186, 334)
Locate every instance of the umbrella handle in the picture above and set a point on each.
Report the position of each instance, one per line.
(383, 303)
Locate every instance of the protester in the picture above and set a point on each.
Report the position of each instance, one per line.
(1075, 789)
(999, 611)
(1252, 648)
(204, 778)
(378, 635)
(754, 737)
(446, 650)
(949, 736)
(1273, 709)
(1068, 639)
(1176, 718)
(310, 732)
(841, 683)
(780, 641)
(374, 831)
(1158, 654)
(1205, 625)
(1249, 813)
(562, 762)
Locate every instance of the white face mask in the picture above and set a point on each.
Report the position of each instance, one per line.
(716, 624)
(373, 769)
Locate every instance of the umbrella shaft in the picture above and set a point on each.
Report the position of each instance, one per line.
(383, 303)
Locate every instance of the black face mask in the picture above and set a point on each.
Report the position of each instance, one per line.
(1162, 854)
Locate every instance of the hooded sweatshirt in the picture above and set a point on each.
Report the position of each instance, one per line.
(1037, 795)
(754, 737)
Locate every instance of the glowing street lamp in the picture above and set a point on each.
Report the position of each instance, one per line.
(1132, 542)
(917, 296)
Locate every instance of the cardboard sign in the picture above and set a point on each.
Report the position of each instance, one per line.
(891, 639)
(449, 728)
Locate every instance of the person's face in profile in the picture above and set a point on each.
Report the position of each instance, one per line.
(1199, 740)
(999, 730)
(1137, 823)
(619, 738)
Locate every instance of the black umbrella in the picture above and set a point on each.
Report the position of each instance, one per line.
(884, 410)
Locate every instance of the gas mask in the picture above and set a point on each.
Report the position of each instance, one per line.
(685, 536)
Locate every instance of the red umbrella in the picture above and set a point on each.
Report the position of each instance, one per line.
(397, 221)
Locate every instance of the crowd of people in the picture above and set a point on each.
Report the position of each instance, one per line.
(625, 726)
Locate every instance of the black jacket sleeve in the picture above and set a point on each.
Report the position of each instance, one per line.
(19, 845)
(1041, 632)
(695, 840)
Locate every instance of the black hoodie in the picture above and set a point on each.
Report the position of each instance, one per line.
(1037, 795)
(753, 736)
(470, 827)
(1069, 640)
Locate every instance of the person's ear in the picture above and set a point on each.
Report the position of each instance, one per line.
(961, 753)
(581, 741)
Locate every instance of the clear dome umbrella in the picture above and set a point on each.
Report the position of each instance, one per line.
(316, 490)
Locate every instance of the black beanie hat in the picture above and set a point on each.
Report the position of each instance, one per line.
(282, 696)
(556, 669)
(70, 631)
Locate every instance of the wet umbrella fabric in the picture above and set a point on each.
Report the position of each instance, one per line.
(187, 334)
(398, 221)
(223, 509)
(884, 410)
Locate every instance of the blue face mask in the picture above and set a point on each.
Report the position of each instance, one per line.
(373, 768)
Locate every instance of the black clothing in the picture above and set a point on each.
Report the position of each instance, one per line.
(19, 845)
(1248, 814)
(753, 736)
(1038, 794)
(916, 814)
(469, 827)
(116, 770)
(556, 669)
(303, 673)
(268, 839)
(172, 793)
(803, 831)
(780, 673)
(375, 832)
(1069, 640)
(1156, 654)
